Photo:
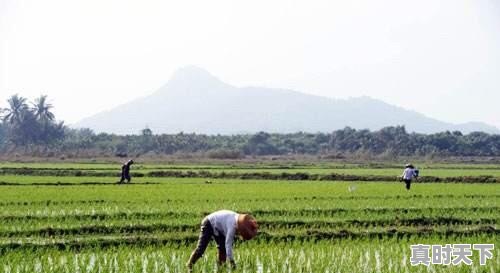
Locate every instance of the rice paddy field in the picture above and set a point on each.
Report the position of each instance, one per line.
(73, 217)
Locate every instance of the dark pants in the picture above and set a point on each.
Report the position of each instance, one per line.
(408, 183)
(125, 175)
(206, 235)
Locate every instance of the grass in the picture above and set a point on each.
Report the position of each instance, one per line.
(387, 169)
(89, 224)
(387, 255)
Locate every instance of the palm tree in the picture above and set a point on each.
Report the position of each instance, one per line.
(16, 110)
(42, 108)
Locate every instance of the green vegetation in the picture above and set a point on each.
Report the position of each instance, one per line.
(350, 255)
(33, 131)
(23, 125)
(99, 173)
(88, 224)
(387, 143)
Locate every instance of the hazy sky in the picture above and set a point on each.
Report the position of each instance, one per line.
(441, 58)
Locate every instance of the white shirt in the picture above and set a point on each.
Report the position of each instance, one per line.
(408, 173)
(224, 222)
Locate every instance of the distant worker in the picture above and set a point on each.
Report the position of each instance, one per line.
(223, 226)
(409, 173)
(126, 171)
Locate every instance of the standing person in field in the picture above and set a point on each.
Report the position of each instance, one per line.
(223, 226)
(126, 171)
(408, 174)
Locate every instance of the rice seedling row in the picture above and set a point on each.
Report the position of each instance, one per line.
(305, 226)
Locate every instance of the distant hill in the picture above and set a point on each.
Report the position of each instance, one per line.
(195, 101)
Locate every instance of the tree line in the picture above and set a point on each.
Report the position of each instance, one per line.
(31, 128)
(26, 124)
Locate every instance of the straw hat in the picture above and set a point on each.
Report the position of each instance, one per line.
(247, 226)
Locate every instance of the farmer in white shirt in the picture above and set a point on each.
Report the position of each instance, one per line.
(408, 174)
(223, 226)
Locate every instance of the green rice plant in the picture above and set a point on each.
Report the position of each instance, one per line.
(89, 224)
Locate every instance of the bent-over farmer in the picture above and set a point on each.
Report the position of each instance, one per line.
(126, 171)
(408, 174)
(223, 226)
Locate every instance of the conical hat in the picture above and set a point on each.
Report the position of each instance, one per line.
(247, 226)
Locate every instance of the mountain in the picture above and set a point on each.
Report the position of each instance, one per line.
(193, 100)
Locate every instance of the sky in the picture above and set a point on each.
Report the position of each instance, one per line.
(440, 58)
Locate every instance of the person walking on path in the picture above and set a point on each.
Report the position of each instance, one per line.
(126, 172)
(408, 174)
(223, 226)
